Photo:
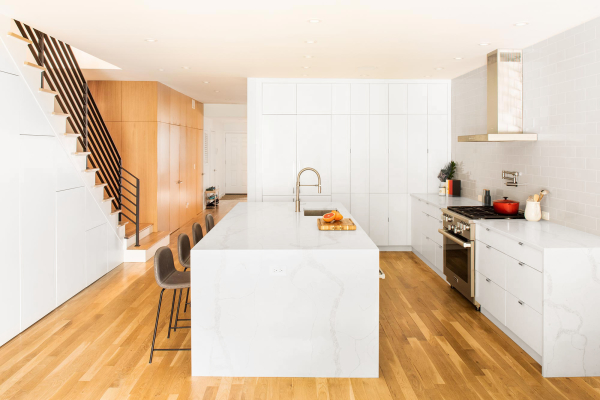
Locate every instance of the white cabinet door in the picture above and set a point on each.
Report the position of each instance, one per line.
(428, 249)
(340, 154)
(417, 98)
(67, 177)
(378, 94)
(70, 243)
(416, 226)
(279, 98)
(525, 283)
(439, 257)
(437, 144)
(95, 254)
(10, 307)
(398, 98)
(525, 322)
(398, 211)
(491, 297)
(378, 159)
(379, 219)
(437, 98)
(279, 154)
(38, 214)
(417, 153)
(359, 158)
(314, 146)
(491, 263)
(314, 98)
(359, 98)
(359, 208)
(398, 154)
(340, 98)
(343, 198)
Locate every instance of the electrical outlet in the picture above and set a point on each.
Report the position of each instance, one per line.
(277, 271)
(479, 197)
(546, 215)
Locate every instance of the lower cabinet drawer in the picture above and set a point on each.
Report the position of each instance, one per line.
(491, 297)
(525, 283)
(524, 321)
(491, 263)
(519, 250)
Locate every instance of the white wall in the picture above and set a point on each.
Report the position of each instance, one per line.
(373, 141)
(225, 110)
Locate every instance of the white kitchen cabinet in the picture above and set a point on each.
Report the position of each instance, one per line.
(491, 297)
(38, 212)
(378, 95)
(417, 153)
(398, 153)
(416, 225)
(359, 98)
(114, 252)
(379, 219)
(359, 208)
(433, 224)
(67, 177)
(314, 98)
(437, 98)
(524, 321)
(340, 98)
(343, 198)
(94, 215)
(398, 102)
(517, 250)
(491, 263)
(340, 154)
(279, 154)
(313, 199)
(429, 247)
(278, 199)
(378, 159)
(437, 145)
(525, 283)
(312, 143)
(70, 243)
(399, 223)
(439, 257)
(359, 157)
(95, 254)
(417, 98)
(279, 98)
(33, 121)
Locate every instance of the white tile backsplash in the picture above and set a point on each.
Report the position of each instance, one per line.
(561, 103)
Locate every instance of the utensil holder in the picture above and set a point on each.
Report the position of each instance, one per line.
(533, 211)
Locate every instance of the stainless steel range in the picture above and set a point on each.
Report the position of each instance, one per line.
(459, 245)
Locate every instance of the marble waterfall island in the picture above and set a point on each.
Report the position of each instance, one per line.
(275, 297)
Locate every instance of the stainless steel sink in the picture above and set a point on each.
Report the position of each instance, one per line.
(316, 213)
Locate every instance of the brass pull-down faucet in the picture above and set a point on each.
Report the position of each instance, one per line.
(298, 185)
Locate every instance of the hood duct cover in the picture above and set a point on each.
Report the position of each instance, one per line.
(504, 99)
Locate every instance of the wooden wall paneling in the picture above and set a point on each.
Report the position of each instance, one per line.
(174, 137)
(139, 101)
(107, 95)
(199, 171)
(164, 103)
(200, 114)
(192, 114)
(186, 103)
(192, 166)
(139, 142)
(183, 176)
(163, 176)
(114, 128)
(174, 110)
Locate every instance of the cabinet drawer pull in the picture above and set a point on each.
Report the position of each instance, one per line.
(487, 246)
(521, 263)
(488, 280)
(520, 243)
(487, 229)
(521, 302)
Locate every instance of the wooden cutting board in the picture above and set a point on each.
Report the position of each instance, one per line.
(345, 224)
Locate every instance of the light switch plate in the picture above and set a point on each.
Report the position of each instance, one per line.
(546, 215)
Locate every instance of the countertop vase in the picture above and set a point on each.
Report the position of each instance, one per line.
(533, 211)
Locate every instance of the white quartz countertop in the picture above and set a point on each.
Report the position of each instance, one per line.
(276, 226)
(444, 201)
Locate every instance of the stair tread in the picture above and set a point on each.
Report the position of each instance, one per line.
(34, 65)
(44, 90)
(149, 241)
(82, 153)
(14, 35)
(91, 170)
(59, 114)
(124, 223)
(130, 229)
(108, 199)
(100, 185)
(72, 134)
(115, 212)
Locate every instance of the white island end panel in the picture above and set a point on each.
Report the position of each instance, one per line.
(286, 313)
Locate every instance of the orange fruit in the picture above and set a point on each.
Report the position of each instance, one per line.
(329, 217)
(338, 216)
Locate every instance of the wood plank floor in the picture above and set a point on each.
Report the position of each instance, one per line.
(433, 345)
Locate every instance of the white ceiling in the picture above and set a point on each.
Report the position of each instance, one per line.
(224, 42)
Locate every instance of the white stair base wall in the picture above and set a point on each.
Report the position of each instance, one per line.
(132, 255)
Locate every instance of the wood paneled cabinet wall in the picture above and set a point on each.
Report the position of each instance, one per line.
(159, 134)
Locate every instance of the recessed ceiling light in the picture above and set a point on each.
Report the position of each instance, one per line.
(427, 76)
(438, 68)
(185, 67)
(484, 44)
(216, 91)
(308, 56)
(521, 23)
(304, 75)
(151, 40)
(311, 41)
(458, 58)
(161, 70)
(314, 21)
(206, 82)
(306, 67)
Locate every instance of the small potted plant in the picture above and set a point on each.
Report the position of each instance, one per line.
(447, 174)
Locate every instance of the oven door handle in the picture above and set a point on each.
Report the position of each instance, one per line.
(454, 238)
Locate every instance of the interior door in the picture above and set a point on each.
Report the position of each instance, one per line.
(235, 162)
(183, 203)
(174, 177)
(206, 161)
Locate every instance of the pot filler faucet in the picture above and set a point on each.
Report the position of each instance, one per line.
(298, 185)
(511, 178)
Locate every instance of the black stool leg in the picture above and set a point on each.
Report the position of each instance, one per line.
(172, 308)
(187, 296)
(178, 305)
(156, 325)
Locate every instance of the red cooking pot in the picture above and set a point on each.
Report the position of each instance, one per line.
(506, 206)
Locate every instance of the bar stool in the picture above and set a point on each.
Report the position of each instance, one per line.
(184, 253)
(167, 277)
(209, 221)
(196, 233)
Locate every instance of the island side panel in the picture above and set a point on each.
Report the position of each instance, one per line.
(318, 317)
(571, 313)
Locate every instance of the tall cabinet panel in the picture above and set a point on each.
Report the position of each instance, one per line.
(340, 98)
(314, 98)
(378, 98)
(191, 166)
(417, 98)
(359, 98)
(379, 219)
(359, 164)
(340, 154)
(437, 157)
(183, 178)
(398, 144)
(359, 208)
(378, 159)
(417, 153)
(174, 183)
(279, 98)
(279, 154)
(95, 253)
(399, 220)
(398, 98)
(38, 209)
(313, 144)
(163, 176)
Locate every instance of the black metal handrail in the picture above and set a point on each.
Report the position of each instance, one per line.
(63, 75)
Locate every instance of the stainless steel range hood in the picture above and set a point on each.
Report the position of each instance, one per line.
(504, 99)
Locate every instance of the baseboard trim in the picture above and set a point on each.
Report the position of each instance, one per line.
(395, 248)
(430, 265)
